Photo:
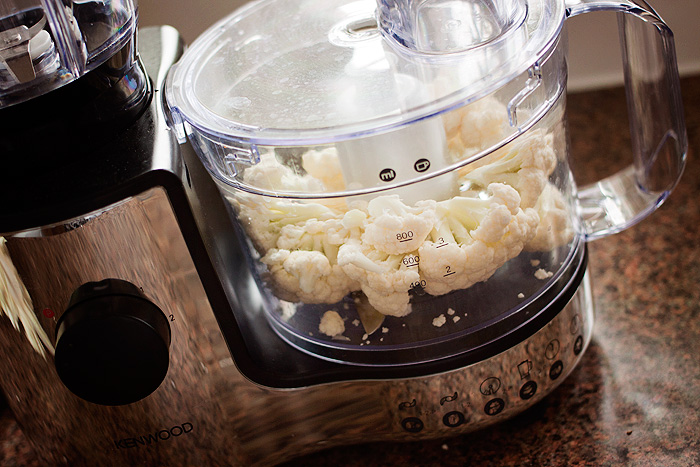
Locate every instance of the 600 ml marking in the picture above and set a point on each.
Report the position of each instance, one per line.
(158, 436)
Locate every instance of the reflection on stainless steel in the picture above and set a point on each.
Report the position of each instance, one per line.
(16, 304)
(206, 412)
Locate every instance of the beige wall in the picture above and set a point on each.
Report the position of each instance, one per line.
(594, 56)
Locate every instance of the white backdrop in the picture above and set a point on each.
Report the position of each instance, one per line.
(594, 53)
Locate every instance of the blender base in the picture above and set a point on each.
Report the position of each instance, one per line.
(206, 411)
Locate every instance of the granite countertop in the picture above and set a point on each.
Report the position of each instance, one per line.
(635, 397)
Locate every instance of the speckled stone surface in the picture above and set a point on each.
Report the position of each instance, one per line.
(635, 398)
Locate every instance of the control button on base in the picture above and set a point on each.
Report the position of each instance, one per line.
(528, 390)
(453, 419)
(556, 370)
(412, 424)
(494, 406)
(112, 343)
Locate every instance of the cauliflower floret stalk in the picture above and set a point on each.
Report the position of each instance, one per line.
(474, 236)
(383, 277)
(524, 164)
(555, 227)
(304, 265)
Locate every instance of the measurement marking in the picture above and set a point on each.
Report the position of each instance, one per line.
(412, 265)
(405, 240)
(441, 245)
(448, 274)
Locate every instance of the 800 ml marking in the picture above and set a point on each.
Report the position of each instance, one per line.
(404, 236)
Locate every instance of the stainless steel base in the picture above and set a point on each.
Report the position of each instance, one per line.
(206, 412)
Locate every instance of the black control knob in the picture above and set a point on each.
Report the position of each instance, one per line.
(112, 343)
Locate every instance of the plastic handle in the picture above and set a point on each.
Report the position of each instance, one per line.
(659, 140)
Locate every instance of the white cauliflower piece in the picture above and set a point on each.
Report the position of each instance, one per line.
(304, 268)
(269, 174)
(306, 276)
(331, 324)
(476, 126)
(396, 228)
(524, 164)
(555, 227)
(324, 165)
(384, 278)
(473, 238)
(264, 217)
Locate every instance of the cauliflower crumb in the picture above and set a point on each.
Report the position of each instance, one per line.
(331, 324)
(521, 295)
(385, 330)
(355, 322)
(439, 321)
(455, 319)
(542, 274)
(535, 262)
(450, 311)
(364, 337)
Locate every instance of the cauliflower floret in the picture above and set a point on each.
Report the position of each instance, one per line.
(443, 263)
(395, 228)
(473, 238)
(324, 165)
(304, 265)
(264, 217)
(524, 164)
(555, 227)
(475, 127)
(306, 276)
(311, 235)
(384, 278)
(269, 174)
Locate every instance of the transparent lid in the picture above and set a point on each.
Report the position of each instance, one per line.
(45, 44)
(282, 72)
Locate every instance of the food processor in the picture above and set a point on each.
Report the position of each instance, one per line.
(323, 222)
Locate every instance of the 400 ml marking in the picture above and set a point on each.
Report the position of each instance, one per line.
(154, 438)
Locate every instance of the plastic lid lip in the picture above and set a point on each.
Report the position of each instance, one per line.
(543, 28)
